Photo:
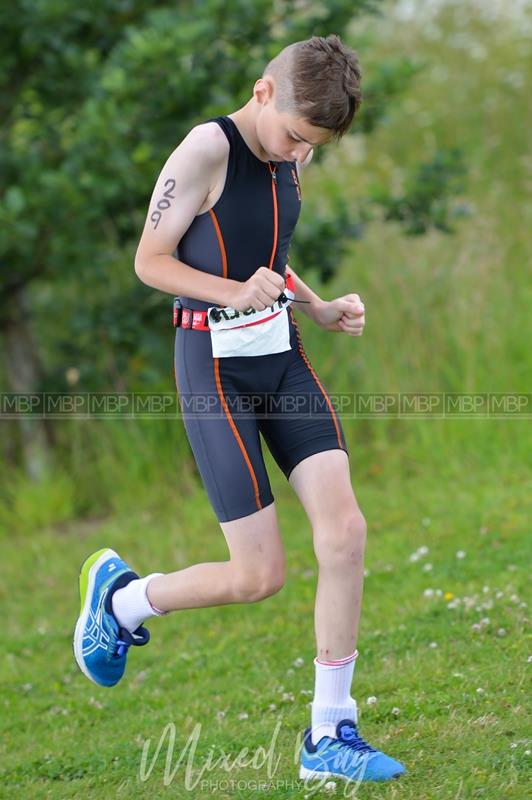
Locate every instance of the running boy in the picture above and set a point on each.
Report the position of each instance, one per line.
(217, 234)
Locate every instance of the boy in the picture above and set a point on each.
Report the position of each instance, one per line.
(228, 198)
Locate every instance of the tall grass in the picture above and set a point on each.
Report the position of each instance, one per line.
(444, 313)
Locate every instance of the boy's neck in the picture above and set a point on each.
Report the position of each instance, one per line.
(245, 119)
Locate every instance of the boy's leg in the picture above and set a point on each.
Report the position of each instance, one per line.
(115, 602)
(255, 569)
(322, 483)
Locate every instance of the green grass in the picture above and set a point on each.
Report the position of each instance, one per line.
(65, 737)
(444, 314)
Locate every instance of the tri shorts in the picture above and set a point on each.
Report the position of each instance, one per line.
(227, 402)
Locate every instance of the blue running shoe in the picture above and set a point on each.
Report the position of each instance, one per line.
(100, 644)
(348, 757)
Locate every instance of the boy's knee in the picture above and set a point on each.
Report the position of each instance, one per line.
(343, 541)
(249, 586)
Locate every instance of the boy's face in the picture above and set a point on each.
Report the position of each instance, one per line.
(284, 136)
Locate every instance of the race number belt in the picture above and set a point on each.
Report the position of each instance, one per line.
(227, 318)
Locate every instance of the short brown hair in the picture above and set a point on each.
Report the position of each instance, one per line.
(319, 80)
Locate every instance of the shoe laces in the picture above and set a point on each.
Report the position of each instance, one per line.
(122, 648)
(125, 640)
(348, 734)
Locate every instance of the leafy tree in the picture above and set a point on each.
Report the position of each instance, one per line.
(93, 100)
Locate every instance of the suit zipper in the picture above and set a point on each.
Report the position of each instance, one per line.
(273, 172)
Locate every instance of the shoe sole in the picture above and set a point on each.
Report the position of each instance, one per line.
(87, 578)
(310, 774)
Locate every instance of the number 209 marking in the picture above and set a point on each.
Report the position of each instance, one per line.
(164, 203)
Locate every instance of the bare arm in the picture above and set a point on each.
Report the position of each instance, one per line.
(304, 292)
(180, 191)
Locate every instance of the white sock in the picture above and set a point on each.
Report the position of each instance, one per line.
(131, 606)
(332, 696)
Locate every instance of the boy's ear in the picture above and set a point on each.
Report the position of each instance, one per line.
(264, 88)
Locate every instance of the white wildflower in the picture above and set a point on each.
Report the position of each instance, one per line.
(371, 700)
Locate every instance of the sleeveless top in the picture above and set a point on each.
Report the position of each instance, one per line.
(251, 224)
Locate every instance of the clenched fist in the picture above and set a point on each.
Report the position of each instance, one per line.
(259, 291)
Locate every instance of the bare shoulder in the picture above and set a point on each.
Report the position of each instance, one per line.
(208, 141)
(183, 189)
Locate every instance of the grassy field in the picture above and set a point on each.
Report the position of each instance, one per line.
(442, 648)
(442, 643)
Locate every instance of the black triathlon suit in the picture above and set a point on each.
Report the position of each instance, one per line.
(226, 402)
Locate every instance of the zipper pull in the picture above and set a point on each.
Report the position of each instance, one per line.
(273, 171)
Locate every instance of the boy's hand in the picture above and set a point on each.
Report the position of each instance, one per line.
(345, 314)
(259, 291)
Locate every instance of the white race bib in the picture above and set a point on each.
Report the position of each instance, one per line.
(251, 333)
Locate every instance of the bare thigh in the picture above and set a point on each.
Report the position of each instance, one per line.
(323, 484)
